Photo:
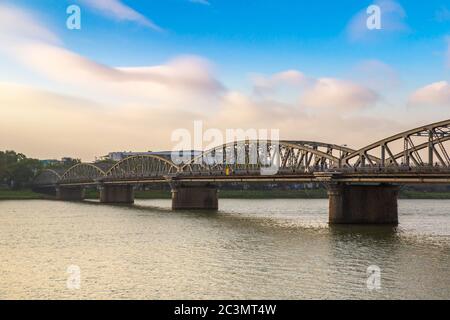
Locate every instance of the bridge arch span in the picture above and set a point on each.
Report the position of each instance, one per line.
(83, 172)
(140, 166)
(251, 155)
(47, 177)
(419, 147)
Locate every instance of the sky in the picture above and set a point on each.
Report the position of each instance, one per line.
(136, 71)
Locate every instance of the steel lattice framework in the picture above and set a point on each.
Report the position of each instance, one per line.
(47, 177)
(423, 149)
(249, 157)
(82, 172)
(142, 166)
(423, 146)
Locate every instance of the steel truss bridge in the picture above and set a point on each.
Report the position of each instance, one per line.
(362, 183)
(420, 155)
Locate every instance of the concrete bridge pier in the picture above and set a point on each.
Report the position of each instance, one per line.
(117, 194)
(194, 197)
(362, 204)
(70, 193)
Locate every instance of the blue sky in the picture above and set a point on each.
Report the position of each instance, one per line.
(299, 51)
(257, 35)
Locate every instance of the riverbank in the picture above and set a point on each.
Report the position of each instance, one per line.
(6, 194)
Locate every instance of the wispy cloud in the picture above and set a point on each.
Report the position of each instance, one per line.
(434, 94)
(331, 93)
(190, 76)
(18, 24)
(118, 10)
(263, 85)
(35, 115)
(323, 93)
(204, 2)
(376, 75)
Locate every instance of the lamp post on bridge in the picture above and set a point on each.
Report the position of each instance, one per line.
(340, 155)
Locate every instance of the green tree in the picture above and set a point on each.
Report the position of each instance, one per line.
(16, 170)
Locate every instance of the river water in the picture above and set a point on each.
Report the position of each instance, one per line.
(249, 249)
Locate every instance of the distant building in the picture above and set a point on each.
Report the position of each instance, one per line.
(68, 161)
(65, 161)
(50, 162)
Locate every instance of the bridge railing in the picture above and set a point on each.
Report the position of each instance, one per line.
(318, 168)
(393, 169)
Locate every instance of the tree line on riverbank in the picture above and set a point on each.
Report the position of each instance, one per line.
(17, 171)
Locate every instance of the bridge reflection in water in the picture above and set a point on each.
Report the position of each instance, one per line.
(362, 184)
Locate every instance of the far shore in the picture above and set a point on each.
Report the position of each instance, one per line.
(27, 194)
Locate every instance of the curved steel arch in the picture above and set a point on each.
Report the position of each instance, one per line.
(251, 155)
(141, 166)
(428, 138)
(83, 172)
(47, 177)
(343, 150)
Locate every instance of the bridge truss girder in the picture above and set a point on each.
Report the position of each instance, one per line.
(251, 156)
(141, 166)
(423, 146)
(82, 172)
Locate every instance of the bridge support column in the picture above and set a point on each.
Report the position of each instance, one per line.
(194, 197)
(117, 194)
(362, 204)
(70, 193)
